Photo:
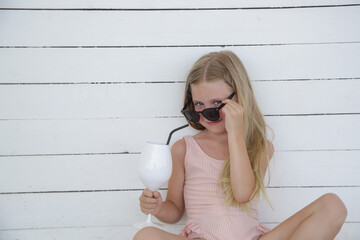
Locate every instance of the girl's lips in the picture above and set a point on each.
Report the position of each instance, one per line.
(214, 123)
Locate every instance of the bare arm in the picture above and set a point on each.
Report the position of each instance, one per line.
(265, 157)
(241, 174)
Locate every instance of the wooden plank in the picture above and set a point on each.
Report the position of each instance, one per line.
(349, 231)
(102, 209)
(91, 101)
(310, 133)
(315, 168)
(164, 28)
(113, 65)
(83, 65)
(85, 135)
(143, 4)
(307, 97)
(69, 173)
(86, 172)
(28, 137)
(132, 100)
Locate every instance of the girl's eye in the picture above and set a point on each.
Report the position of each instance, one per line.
(217, 102)
(199, 104)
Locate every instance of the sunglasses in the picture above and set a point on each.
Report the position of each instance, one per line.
(211, 114)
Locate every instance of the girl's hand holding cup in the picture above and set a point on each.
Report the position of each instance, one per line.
(150, 202)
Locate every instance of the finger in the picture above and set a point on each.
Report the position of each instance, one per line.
(227, 101)
(231, 102)
(153, 212)
(148, 206)
(146, 211)
(234, 106)
(147, 200)
(157, 195)
(230, 108)
(148, 193)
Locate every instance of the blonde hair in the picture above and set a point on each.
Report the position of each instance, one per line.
(225, 65)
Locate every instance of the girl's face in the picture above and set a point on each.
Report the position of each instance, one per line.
(209, 94)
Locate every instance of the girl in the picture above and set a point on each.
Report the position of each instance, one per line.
(218, 174)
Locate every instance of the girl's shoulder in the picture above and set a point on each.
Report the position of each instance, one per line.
(179, 146)
(178, 149)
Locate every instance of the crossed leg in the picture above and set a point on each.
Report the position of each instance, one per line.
(320, 220)
(157, 234)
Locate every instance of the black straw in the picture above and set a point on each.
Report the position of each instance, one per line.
(176, 129)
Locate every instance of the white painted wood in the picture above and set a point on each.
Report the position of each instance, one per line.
(91, 101)
(84, 135)
(160, 100)
(103, 209)
(315, 132)
(70, 173)
(314, 168)
(143, 4)
(158, 28)
(129, 135)
(112, 65)
(348, 232)
(308, 97)
(87, 172)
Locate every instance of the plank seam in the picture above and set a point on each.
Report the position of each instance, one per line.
(115, 226)
(309, 114)
(180, 9)
(188, 46)
(69, 154)
(134, 153)
(176, 82)
(318, 150)
(164, 189)
(171, 117)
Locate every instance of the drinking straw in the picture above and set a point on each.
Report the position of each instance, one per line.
(176, 129)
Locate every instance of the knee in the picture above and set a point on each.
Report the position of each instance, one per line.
(146, 233)
(334, 209)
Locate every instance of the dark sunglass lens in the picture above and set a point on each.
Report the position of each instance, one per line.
(192, 116)
(211, 114)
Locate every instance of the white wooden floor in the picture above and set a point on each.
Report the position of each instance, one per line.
(83, 84)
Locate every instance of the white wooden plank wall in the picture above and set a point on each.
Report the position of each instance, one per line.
(83, 84)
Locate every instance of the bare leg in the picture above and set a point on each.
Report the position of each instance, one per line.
(151, 233)
(321, 220)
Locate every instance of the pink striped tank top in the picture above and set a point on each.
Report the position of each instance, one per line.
(208, 218)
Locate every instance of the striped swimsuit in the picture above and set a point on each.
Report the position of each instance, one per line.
(208, 218)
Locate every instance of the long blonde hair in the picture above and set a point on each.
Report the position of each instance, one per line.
(227, 66)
